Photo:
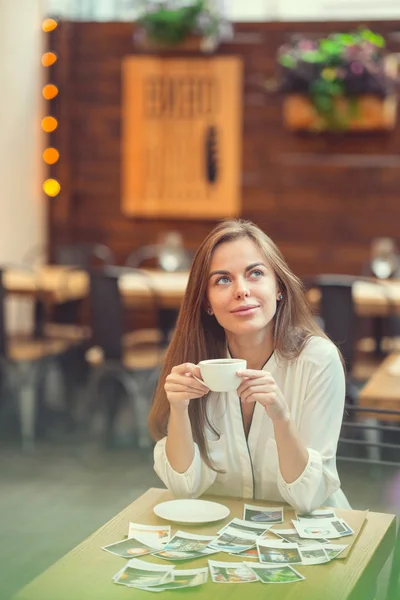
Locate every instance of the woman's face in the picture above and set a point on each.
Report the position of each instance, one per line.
(242, 288)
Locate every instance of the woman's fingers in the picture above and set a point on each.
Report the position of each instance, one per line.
(256, 384)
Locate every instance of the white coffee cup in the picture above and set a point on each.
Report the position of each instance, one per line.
(220, 374)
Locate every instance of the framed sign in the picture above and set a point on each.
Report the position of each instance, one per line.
(182, 137)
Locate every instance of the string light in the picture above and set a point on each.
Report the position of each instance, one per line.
(49, 124)
(51, 156)
(51, 187)
(49, 25)
(48, 59)
(50, 91)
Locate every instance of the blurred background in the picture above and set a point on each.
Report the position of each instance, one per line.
(126, 137)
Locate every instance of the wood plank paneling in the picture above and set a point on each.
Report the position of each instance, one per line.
(321, 198)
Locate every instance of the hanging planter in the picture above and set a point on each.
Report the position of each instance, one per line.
(340, 83)
(180, 26)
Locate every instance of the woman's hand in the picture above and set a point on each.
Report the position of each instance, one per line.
(181, 387)
(260, 386)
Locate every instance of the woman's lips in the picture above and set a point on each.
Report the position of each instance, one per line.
(245, 310)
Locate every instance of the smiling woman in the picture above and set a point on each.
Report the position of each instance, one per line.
(275, 437)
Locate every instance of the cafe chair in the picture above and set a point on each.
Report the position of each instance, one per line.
(339, 321)
(168, 255)
(122, 365)
(383, 264)
(84, 254)
(25, 363)
(370, 435)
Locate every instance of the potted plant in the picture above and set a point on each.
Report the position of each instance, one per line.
(181, 25)
(345, 81)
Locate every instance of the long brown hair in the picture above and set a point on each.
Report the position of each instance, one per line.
(198, 336)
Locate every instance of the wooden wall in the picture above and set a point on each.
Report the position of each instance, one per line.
(321, 198)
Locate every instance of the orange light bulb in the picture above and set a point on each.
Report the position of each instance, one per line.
(51, 156)
(49, 124)
(48, 59)
(51, 187)
(49, 24)
(50, 91)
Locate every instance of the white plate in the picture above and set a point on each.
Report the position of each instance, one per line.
(191, 511)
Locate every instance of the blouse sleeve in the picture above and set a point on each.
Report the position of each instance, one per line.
(190, 484)
(319, 429)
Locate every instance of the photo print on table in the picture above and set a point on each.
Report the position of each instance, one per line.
(263, 514)
(176, 555)
(275, 574)
(138, 572)
(222, 572)
(270, 552)
(313, 555)
(292, 537)
(158, 534)
(233, 540)
(188, 542)
(258, 529)
(182, 579)
(250, 553)
(129, 548)
(333, 550)
(322, 513)
(319, 528)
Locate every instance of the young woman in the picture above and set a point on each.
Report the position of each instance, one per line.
(275, 438)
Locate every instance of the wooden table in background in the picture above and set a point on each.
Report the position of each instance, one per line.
(55, 284)
(383, 390)
(86, 572)
(375, 299)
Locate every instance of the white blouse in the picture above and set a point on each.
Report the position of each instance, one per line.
(313, 386)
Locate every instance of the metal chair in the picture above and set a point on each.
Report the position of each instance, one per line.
(133, 369)
(169, 255)
(339, 320)
(85, 255)
(25, 362)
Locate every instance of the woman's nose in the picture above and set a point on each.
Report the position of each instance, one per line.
(241, 290)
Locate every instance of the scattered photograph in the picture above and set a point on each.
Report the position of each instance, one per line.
(233, 540)
(270, 552)
(319, 528)
(344, 529)
(188, 542)
(262, 514)
(160, 533)
(250, 553)
(178, 555)
(128, 548)
(182, 579)
(275, 574)
(313, 555)
(247, 526)
(333, 550)
(138, 572)
(230, 572)
(292, 537)
(322, 513)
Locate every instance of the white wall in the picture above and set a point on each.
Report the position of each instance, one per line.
(340, 10)
(241, 10)
(22, 222)
(21, 200)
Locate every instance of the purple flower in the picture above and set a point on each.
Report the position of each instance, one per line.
(356, 68)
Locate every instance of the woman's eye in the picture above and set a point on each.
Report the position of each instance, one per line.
(256, 273)
(222, 280)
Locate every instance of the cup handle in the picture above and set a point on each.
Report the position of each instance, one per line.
(198, 379)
